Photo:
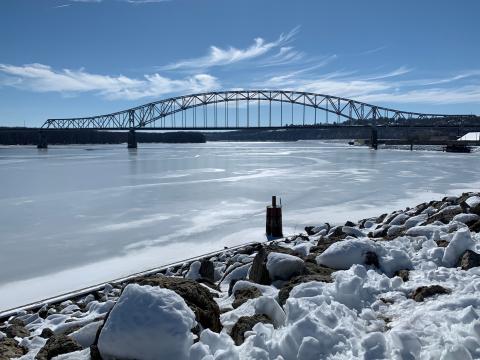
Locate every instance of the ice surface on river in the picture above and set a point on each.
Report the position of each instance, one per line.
(78, 215)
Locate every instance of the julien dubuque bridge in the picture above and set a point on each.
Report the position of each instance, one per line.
(253, 109)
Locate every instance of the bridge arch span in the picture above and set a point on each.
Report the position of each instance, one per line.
(146, 116)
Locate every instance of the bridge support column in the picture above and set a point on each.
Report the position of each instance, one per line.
(42, 140)
(132, 139)
(374, 138)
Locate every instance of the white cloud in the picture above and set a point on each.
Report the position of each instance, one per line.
(379, 88)
(145, 1)
(373, 51)
(402, 70)
(42, 78)
(437, 96)
(128, 1)
(218, 56)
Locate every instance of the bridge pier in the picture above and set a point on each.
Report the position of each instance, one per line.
(132, 139)
(42, 140)
(374, 138)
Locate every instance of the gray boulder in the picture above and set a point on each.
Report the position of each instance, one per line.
(246, 323)
(57, 345)
(9, 349)
(15, 330)
(242, 295)
(197, 297)
(422, 292)
(469, 259)
(322, 274)
(403, 274)
(207, 270)
(475, 227)
(259, 272)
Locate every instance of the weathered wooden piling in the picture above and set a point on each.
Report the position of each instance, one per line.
(274, 220)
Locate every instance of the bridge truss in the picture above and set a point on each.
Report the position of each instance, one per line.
(238, 110)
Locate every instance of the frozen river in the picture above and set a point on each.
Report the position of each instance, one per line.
(78, 215)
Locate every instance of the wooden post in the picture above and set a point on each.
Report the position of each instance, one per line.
(274, 220)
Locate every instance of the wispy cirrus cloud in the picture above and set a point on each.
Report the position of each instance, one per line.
(127, 1)
(218, 56)
(373, 51)
(145, 1)
(437, 96)
(402, 70)
(381, 88)
(42, 78)
(268, 65)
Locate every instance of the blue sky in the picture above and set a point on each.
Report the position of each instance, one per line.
(65, 58)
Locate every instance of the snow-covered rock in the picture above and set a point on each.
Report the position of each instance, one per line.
(415, 220)
(461, 241)
(193, 272)
(283, 266)
(466, 218)
(343, 254)
(270, 307)
(147, 323)
(473, 201)
(399, 219)
(349, 230)
(302, 249)
(85, 336)
(76, 355)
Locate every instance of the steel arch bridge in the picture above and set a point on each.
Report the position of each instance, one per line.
(172, 113)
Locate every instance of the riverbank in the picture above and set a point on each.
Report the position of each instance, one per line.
(398, 285)
(30, 136)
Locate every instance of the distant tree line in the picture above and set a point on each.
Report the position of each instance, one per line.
(26, 136)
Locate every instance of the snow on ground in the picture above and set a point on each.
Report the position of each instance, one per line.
(471, 136)
(402, 286)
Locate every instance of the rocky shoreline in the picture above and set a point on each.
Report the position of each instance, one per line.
(400, 285)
